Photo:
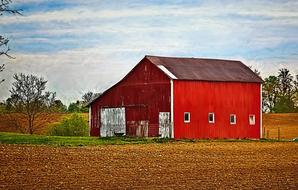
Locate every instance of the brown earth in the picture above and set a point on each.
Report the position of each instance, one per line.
(202, 165)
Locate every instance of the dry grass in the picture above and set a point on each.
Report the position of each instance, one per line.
(17, 122)
(286, 122)
(203, 165)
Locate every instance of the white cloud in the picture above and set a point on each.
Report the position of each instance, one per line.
(211, 29)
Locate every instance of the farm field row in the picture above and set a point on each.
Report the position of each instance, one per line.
(201, 165)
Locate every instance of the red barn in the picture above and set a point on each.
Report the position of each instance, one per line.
(181, 98)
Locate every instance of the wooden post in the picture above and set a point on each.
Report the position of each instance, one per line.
(267, 134)
(278, 134)
(264, 133)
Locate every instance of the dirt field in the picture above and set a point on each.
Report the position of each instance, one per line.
(204, 165)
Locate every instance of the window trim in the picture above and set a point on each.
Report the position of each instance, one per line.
(186, 121)
(235, 119)
(254, 119)
(213, 117)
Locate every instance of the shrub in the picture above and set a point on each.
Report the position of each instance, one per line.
(76, 125)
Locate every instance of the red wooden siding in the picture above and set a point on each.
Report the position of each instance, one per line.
(144, 92)
(223, 98)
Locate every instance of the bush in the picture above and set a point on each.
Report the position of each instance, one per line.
(76, 125)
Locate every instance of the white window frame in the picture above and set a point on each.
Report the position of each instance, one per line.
(186, 121)
(235, 119)
(253, 122)
(213, 117)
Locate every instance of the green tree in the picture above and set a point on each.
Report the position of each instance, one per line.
(285, 82)
(270, 93)
(74, 107)
(76, 125)
(58, 107)
(280, 92)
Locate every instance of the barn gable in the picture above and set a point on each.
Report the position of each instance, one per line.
(139, 78)
(143, 93)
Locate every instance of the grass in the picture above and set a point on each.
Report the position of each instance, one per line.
(17, 138)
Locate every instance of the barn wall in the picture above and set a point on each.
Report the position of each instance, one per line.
(144, 92)
(222, 98)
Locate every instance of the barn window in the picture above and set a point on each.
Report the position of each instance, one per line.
(186, 117)
(252, 119)
(233, 119)
(211, 118)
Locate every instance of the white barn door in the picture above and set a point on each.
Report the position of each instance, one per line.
(164, 124)
(112, 122)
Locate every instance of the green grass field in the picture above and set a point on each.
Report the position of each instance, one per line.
(17, 138)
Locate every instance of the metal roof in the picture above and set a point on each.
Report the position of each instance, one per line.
(204, 69)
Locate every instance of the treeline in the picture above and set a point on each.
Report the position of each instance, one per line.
(280, 93)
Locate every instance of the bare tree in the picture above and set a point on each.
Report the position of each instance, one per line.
(4, 48)
(28, 97)
(89, 96)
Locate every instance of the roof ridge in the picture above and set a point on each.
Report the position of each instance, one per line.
(198, 58)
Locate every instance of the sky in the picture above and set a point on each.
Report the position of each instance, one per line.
(80, 46)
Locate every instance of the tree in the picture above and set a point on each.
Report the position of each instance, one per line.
(58, 107)
(280, 92)
(89, 96)
(285, 82)
(74, 107)
(28, 97)
(270, 92)
(4, 48)
(76, 125)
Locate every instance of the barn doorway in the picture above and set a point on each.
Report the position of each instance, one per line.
(112, 122)
(137, 120)
(164, 124)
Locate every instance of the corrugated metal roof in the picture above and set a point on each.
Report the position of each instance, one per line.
(206, 69)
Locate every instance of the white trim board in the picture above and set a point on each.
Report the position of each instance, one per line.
(167, 72)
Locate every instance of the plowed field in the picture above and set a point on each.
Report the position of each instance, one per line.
(202, 165)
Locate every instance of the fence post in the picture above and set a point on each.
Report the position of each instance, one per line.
(264, 133)
(278, 134)
(267, 134)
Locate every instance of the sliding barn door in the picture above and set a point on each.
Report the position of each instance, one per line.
(112, 122)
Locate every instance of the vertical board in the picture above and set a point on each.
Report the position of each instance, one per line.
(137, 121)
(221, 98)
(164, 124)
(112, 122)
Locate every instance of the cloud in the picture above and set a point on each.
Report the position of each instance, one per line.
(89, 45)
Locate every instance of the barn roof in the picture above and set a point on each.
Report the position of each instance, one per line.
(204, 69)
